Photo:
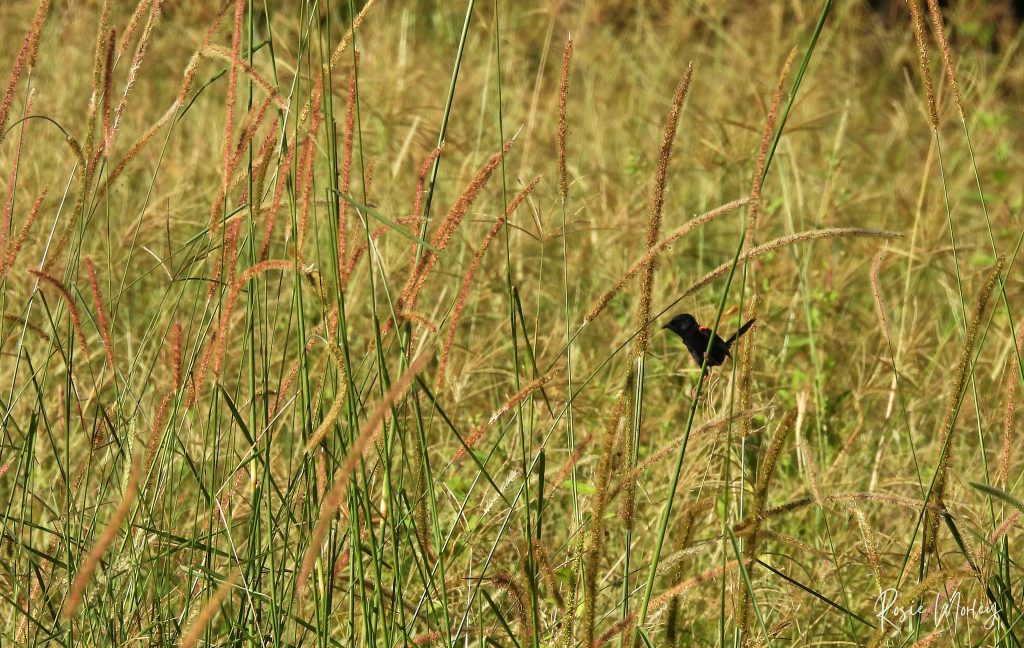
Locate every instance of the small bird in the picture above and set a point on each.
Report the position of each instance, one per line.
(695, 337)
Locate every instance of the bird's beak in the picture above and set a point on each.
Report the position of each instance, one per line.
(664, 326)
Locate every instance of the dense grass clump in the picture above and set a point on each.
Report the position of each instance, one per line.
(338, 323)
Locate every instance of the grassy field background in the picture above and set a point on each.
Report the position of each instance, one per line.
(277, 369)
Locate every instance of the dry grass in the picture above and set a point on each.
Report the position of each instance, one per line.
(302, 343)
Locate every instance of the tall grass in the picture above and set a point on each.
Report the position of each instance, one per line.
(320, 324)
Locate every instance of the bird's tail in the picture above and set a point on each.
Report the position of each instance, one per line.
(737, 334)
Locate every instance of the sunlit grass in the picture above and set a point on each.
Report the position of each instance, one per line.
(339, 323)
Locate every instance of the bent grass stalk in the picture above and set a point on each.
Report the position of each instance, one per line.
(76, 318)
(24, 59)
(419, 272)
(101, 316)
(12, 182)
(336, 405)
(92, 560)
(750, 549)
(665, 451)
(771, 246)
(507, 407)
(595, 547)
(467, 278)
(332, 501)
(626, 624)
(1009, 409)
(209, 611)
(936, 494)
(10, 254)
(753, 218)
(663, 245)
(133, 70)
(627, 510)
(188, 78)
(133, 25)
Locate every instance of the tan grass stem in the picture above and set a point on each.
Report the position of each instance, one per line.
(92, 559)
(330, 328)
(336, 406)
(419, 273)
(156, 432)
(625, 624)
(804, 449)
(101, 315)
(567, 622)
(188, 78)
(665, 451)
(275, 204)
(761, 250)
(176, 344)
(347, 38)
(236, 288)
(745, 375)
(547, 571)
(516, 594)
(1010, 408)
(240, 63)
(760, 499)
(333, 500)
(771, 246)
(13, 249)
(961, 375)
(643, 314)
(867, 535)
(506, 407)
(133, 26)
(108, 91)
(21, 321)
(85, 171)
(652, 253)
(25, 58)
(467, 278)
(76, 319)
(263, 157)
(917, 23)
(229, 104)
(876, 291)
(358, 253)
(133, 70)
(136, 148)
(209, 611)
(754, 220)
(947, 55)
(594, 551)
(563, 127)
(345, 182)
(417, 205)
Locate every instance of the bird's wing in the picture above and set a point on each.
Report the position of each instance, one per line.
(697, 355)
(720, 348)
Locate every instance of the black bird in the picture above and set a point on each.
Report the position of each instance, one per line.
(695, 337)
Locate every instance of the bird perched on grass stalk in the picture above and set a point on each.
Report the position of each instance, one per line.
(696, 337)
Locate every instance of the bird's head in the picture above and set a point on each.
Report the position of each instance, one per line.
(681, 324)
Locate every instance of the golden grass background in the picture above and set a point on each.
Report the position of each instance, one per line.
(173, 422)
